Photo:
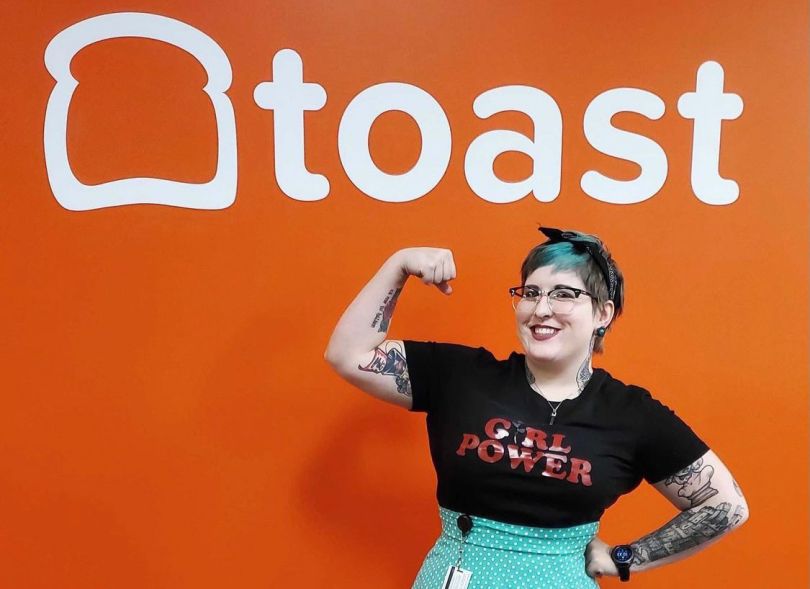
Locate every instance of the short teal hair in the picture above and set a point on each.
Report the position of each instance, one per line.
(564, 256)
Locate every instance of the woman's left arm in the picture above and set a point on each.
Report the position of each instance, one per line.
(711, 503)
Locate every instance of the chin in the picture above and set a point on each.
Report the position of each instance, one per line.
(541, 353)
(544, 358)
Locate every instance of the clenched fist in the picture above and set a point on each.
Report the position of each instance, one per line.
(432, 265)
(597, 560)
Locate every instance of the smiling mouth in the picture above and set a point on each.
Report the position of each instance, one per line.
(542, 333)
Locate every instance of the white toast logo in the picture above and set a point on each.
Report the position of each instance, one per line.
(218, 193)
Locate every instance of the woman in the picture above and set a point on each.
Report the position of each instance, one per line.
(530, 451)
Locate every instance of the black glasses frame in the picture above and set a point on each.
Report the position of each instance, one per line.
(517, 291)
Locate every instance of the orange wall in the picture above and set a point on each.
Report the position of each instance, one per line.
(168, 420)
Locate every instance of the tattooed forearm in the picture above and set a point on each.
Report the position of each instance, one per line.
(694, 482)
(390, 361)
(689, 529)
(386, 310)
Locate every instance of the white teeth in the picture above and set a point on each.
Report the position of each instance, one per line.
(544, 330)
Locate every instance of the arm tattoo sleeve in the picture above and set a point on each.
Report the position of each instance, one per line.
(694, 482)
(390, 361)
(689, 529)
(693, 526)
(386, 310)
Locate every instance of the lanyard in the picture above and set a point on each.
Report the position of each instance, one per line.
(458, 578)
(465, 524)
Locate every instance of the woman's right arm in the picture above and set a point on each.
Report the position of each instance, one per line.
(358, 349)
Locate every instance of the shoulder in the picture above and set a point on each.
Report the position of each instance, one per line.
(621, 395)
(617, 390)
(447, 349)
(453, 353)
(640, 406)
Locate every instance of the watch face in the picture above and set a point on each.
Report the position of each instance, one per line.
(623, 554)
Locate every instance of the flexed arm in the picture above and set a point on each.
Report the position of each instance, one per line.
(358, 349)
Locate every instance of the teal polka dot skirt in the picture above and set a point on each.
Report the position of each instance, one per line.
(508, 556)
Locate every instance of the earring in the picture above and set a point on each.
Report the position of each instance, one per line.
(600, 332)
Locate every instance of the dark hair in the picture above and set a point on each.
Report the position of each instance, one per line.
(566, 255)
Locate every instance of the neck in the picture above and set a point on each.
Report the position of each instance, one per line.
(559, 382)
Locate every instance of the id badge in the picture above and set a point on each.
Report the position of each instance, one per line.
(456, 578)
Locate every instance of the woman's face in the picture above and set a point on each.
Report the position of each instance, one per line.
(550, 337)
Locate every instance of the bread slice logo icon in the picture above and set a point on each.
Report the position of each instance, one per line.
(218, 193)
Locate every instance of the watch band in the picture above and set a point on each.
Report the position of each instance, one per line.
(622, 557)
(624, 571)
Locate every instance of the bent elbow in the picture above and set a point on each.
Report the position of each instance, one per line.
(338, 361)
(744, 513)
(332, 357)
(737, 512)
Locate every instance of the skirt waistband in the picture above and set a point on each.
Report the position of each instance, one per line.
(529, 539)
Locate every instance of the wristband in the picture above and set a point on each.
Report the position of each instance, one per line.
(622, 556)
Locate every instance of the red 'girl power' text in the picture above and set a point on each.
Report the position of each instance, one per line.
(538, 451)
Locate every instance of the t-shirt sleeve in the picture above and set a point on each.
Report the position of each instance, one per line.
(431, 367)
(667, 444)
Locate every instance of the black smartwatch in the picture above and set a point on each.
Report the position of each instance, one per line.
(622, 556)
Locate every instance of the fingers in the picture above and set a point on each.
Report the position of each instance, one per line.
(593, 570)
(597, 558)
(433, 266)
(428, 272)
(438, 271)
(449, 266)
(448, 273)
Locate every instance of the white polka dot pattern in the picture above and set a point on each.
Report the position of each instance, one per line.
(508, 556)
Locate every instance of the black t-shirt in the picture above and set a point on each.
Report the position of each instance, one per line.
(496, 456)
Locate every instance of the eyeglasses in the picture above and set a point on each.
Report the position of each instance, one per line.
(561, 299)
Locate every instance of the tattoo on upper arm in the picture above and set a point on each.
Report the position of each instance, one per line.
(687, 530)
(390, 361)
(383, 316)
(694, 482)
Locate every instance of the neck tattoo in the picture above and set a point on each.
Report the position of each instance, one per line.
(583, 376)
(585, 372)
